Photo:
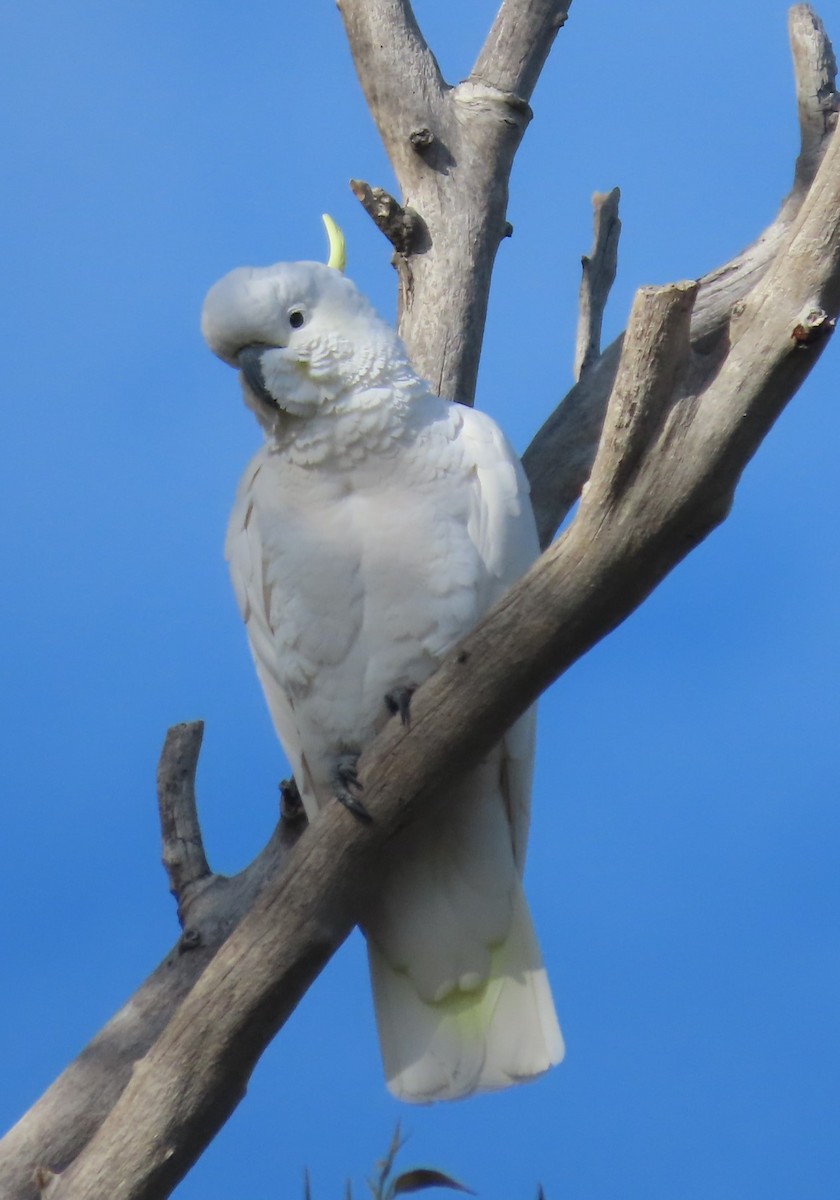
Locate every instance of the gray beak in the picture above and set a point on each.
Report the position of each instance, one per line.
(249, 360)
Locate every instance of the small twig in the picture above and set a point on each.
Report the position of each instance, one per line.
(598, 277)
(403, 227)
(183, 846)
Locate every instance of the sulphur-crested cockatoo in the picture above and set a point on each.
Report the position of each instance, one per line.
(370, 533)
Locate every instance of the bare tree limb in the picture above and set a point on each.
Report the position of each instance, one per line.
(678, 432)
(599, 269)
(559, 458)
(656, 350)
(815, 68)
(518, 44)
(451, 149)
(183, 846)
(398, 72)
(52, 1133)
(686, 404)
(402, 226)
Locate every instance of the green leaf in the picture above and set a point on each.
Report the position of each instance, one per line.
(423, 1177)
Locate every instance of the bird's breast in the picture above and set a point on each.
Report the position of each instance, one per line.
(370, 577)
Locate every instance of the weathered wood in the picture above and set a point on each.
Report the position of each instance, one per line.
(183, 846)
(559, 459)
(65, 1118)
(451, 149)
(686, 405)
(598, 276)
(644, 509)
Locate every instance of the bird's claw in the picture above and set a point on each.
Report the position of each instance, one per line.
(291, 805)
(398, 701)
(345, 782)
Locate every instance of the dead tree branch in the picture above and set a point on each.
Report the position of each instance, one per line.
(599, 269)
(661, 426)
(560, 457)
(451, 149)
(679, 429)
(68, 1114)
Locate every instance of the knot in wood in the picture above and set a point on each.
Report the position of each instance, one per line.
(815, 325)
(190, 940)
(421, 139)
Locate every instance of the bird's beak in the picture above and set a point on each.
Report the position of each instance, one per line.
(249, 361)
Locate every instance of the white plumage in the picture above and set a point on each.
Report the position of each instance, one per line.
(369, 534)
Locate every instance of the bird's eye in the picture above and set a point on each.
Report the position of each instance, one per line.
(296, 318)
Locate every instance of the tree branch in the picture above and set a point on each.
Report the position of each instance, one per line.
(815, 68)
(451, 150)
(518, 44)
(644, 509)
(598, 277)
(401, 226)
(58, 1126)
(398, 73)
(183, 846)
(690, 398)
(559, 459)
(655, 353)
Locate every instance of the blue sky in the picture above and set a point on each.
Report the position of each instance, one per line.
(683, 869)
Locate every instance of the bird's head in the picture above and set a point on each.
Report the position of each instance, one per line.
(301, 334)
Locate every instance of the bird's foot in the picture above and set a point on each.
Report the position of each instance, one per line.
(398, 700)
(291, 805)
(345, 781)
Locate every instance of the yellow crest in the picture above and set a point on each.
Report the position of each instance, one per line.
(338, 247)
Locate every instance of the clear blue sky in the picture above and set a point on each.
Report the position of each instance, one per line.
(683, 869)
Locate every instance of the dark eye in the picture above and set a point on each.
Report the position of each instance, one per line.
(296, 318)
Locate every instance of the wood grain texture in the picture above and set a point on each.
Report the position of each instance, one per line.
(652, 440)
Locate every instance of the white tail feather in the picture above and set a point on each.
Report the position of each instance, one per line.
(505, 1032)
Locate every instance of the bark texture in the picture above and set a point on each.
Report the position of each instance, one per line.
(652, 440)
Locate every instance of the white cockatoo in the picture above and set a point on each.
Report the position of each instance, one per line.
(374, 528)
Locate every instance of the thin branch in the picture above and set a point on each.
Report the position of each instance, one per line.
(401, 226)
(815, 68)
(518, 44)
(183, 847)
(598, 276)
(57, 1127)
(559, 459)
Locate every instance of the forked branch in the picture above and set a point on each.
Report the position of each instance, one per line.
(703, 374)
(559, 460)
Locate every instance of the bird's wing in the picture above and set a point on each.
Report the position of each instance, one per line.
(502, 527)
(462, 999)
(245, 555)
